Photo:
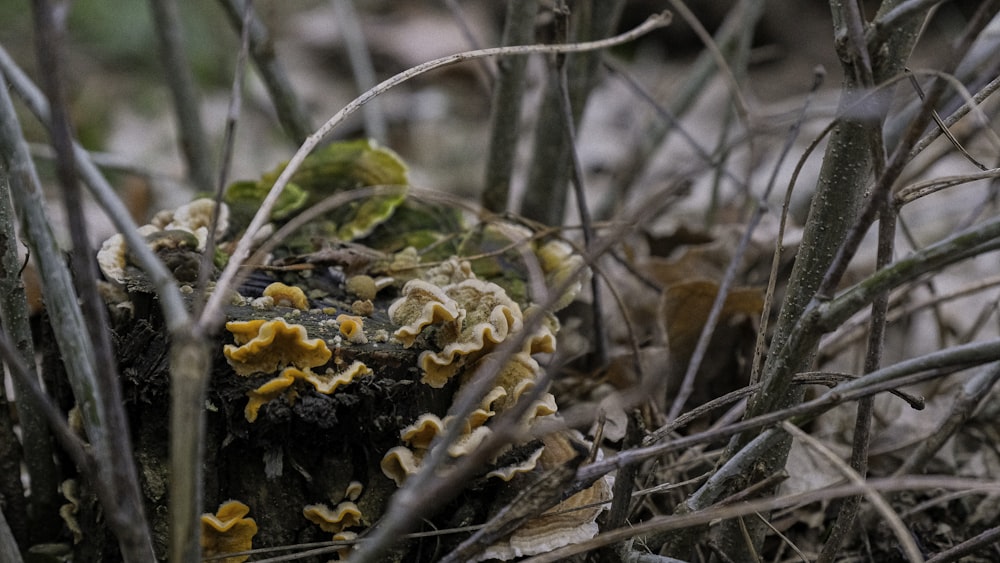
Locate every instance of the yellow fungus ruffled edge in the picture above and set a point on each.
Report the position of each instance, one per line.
(344, 515)
(266, 346)
(324, 383)
(287, 296)
(228, 531)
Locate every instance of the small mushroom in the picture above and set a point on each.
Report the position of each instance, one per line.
(559, 263)
(420, 434)
(508, 472)
(70, 489)
(198, 214)
(354, 489)
(345, 536)
(361, 286)
(266, 346)
(363, 308)
(422, 304)
(287, 296)
(113, 255)
(467, 443)
(227, 531)
(352, 328)
(400, 462)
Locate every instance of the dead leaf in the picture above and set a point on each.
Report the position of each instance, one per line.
(686, 306)
(684, 310)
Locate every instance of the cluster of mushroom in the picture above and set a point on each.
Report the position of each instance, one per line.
(336, 520)
(464, 322)
(265, 346)
(402, 461)
(460, 321)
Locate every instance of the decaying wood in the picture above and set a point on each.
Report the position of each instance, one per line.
(305, 447)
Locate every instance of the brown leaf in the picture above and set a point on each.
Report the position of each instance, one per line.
(685, 308)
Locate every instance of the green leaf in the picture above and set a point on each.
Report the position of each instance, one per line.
(336, 168)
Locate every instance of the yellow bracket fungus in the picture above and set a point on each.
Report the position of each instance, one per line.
(70, 489)
(324, 383)
(265, 346)
(345, 515)
(423, 304)
(559, 262)
(400, 462)
(422, 431)
(345, 552)
(508, 472)
(354, 489)
(287, 296)
(465, 319)
(468, 442)
(479, 416)
(227, 531)
(336, 521)
(472, 317)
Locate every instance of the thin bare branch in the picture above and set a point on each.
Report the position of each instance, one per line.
(600, 338)
(896, 375)
(715, 313)
(903, 10)
(878, 501)
(289, 107)
(106, 421)
(944, 128)
(546, 194)
(963, 407)
(35, 441)
(180, 81)
(740, 20)
(971, 104)
(361, 67)
(505, 113)
(849, 22)
(916, 191)
(191, 363)
(968, 547)
(174, 310)
(228, 141)
(9, 550)
(673, 522)
(960, 246)
(899, 159)
(712, 48)
(873, 360)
